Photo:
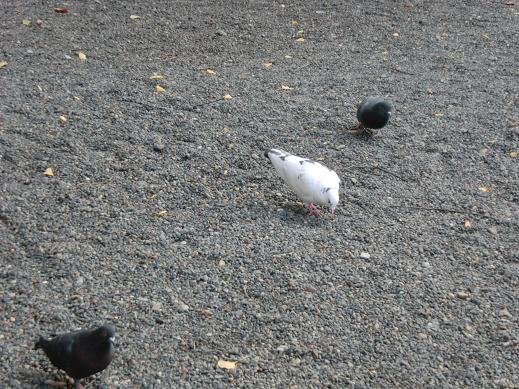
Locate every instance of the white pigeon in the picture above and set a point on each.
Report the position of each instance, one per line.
(312, 182)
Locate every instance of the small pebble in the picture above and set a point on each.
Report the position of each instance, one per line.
(182, 307)
(158, 146)
(504, 313)
(282, 348)
(295, 362)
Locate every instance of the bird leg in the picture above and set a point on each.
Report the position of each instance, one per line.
(359, 128)
(312, 210)
(77, 385)
(56, 384)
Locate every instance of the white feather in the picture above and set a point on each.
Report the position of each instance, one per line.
(310, 180)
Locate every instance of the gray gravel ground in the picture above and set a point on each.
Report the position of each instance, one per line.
(163, 217)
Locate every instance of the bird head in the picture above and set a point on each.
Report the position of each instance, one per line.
(106, 332)
(332, 196)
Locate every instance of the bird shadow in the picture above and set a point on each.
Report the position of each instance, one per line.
(359, 136)
(296, 215)
(43, 380)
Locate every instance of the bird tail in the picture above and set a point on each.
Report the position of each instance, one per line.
(40, 343)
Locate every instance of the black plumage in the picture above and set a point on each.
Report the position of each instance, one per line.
(373, 113)
(82, 353)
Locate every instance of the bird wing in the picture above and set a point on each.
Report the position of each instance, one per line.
(60, 351)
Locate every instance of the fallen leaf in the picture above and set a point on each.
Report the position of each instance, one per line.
(438, 114)
(396, 34)
(48, 172)
(159, 89)
(227, 365)
(163, 213)
(211, 72)
(61, 10)
(267, 65)
(2, 64)
(294, 23)
(77, 98)
(221, 263)
(485, 189)
(300, 39)
(134, 17)
(467, 224)
(288, 56)
(514, 154)
(26, 22)
(227, 97)
(156, 76)
(486, 36)
(286, 87)
(63, 119)
(82, 56)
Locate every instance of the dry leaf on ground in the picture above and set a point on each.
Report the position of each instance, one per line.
(227, 365)
(159, 89)
(210, 72)
(227, 97)
(26, 22)
(2, 64)
(61, 10)
(48, 172)
(156, 76)
(82, 56)
(286, 87)
(134, 17)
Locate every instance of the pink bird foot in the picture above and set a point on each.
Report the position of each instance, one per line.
(77, 385)
(312, 210)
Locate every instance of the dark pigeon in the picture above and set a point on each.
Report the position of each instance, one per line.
(373, 113)
(82, 353)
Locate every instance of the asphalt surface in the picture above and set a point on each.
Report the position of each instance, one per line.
(161, 216)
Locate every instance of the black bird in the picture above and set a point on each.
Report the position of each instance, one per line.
(373, 113)
(82, 353)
